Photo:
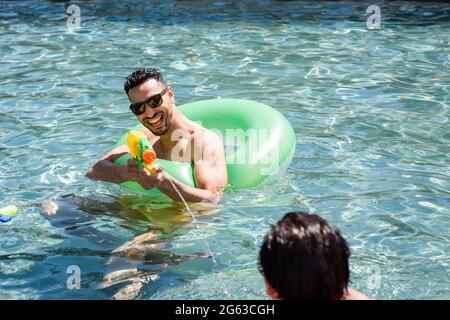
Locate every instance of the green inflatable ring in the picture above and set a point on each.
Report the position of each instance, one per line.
(259, 142)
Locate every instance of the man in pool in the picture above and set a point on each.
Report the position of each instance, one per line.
(305, 258)
(174, 137)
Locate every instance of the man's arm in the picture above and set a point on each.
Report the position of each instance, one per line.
(106, 170)
(209, 190)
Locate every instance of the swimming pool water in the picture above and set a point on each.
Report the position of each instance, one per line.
(369, 108)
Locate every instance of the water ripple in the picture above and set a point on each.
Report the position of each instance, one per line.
(369, 108)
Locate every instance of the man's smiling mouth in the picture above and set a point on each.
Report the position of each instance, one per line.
(156, 121)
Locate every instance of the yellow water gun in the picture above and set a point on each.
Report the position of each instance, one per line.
(141, 150)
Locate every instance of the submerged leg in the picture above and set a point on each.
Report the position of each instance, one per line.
(139, 260)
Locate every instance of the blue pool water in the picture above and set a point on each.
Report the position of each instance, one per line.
(369, 108)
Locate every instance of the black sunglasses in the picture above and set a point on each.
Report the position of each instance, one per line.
(154, 101)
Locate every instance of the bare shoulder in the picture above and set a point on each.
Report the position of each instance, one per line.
(355, 295)
(207, 137)
(208, 145)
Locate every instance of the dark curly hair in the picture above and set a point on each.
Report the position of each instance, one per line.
(303, 257)
(140, 76)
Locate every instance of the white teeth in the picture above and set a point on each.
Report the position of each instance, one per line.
(156, 120)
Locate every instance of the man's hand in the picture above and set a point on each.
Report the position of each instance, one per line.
(106, 170)
(133, 170)
(149, 181)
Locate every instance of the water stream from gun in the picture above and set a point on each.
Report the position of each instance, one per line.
(226, 292)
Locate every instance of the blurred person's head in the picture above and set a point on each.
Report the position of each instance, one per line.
(303, 257)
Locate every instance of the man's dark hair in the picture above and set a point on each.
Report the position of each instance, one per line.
(303, 257)
(140, 76)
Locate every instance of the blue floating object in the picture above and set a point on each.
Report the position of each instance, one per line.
(7, 212)
(5, 219)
